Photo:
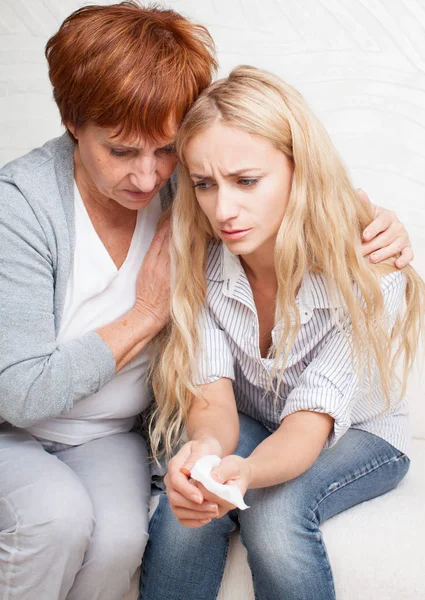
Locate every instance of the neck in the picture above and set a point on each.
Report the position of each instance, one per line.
(259, 267)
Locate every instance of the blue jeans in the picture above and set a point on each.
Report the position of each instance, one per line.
(280, 530)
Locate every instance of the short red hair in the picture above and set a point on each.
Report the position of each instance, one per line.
(128, 67)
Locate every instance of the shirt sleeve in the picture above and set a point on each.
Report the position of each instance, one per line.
(39, 378)
(215, 359)
(330, 383)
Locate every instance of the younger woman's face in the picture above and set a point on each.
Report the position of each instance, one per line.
(242, 183)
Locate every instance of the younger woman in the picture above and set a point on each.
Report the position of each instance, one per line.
(282, 353)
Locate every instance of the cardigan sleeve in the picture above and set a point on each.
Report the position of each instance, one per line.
(39, 379)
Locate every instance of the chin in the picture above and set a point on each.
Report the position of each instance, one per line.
(240, 248)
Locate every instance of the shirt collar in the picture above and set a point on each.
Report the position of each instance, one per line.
(315, 292)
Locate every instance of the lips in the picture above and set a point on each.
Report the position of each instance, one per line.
(234, 234)
(139, 195)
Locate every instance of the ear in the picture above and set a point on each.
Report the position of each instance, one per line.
(72, 129)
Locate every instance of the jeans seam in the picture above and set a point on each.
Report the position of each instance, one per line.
(359, 476)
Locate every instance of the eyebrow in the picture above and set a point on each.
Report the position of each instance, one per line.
(232, 174)
(135, 148)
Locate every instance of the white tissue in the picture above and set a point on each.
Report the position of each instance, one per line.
(201, 472)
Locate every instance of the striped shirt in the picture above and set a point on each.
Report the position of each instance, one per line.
(319, 375)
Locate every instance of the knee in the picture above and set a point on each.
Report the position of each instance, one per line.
(273, 530)
(118, 551)
(70, 521)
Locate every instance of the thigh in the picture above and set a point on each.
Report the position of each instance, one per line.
(115, 472)
(361, 466)
(281, 529)
(46, 520)
(34, 485)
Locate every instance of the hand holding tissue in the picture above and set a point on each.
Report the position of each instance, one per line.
(201, 471)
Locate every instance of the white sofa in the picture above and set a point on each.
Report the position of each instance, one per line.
(375, 548)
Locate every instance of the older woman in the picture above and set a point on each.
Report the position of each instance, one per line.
(83, 290)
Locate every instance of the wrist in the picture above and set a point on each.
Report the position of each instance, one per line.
(252, 473)
(145, 321)
(211, 443)
(144, 312)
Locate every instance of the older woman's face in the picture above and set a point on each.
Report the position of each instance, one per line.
(242, 183)
(128, 171)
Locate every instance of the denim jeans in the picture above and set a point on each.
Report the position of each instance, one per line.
(280, 530)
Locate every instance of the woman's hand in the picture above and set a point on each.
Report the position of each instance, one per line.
(186, 500)
(153, 280)
(385, 236)
(233, 470)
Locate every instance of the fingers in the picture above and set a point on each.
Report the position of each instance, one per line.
(382, 222)
(185, 514)
(382, 240)
(190, 514)
(193, 524)
(223, 506)
(162, 236)
(226, 471)
(405, 257)
(200, 448)
(178, 482)
(387, 252)
(180, 502)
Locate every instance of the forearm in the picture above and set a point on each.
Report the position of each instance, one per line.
(291, 450)
(129, 335)
(48, 379)
(215, 416)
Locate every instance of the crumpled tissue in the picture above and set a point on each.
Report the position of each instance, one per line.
(201, 472)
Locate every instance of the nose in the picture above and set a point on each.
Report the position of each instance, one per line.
(227, 207)
(144, 173)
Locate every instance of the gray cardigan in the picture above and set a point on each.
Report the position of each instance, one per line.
(39, 378)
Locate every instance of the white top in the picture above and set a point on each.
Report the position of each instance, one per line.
(319, 375)
(97, 294)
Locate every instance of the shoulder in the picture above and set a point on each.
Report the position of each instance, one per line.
(58, 150)
(34, 183)
(394, 281)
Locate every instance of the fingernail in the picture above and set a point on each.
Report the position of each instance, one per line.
(212, 507)
(196, 498)
(205, 521)
(375, 256)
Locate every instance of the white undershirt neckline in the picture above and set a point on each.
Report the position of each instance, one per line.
(97, 294)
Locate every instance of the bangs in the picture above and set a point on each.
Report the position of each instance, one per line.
(135, 70)
(152, 112)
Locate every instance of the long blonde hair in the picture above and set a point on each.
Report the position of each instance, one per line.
(321, 232)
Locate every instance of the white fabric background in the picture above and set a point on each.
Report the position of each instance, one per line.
(359, 63)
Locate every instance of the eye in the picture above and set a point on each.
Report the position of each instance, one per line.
(169, 150)
(202, 185)
(247, 181)
(114, 152)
